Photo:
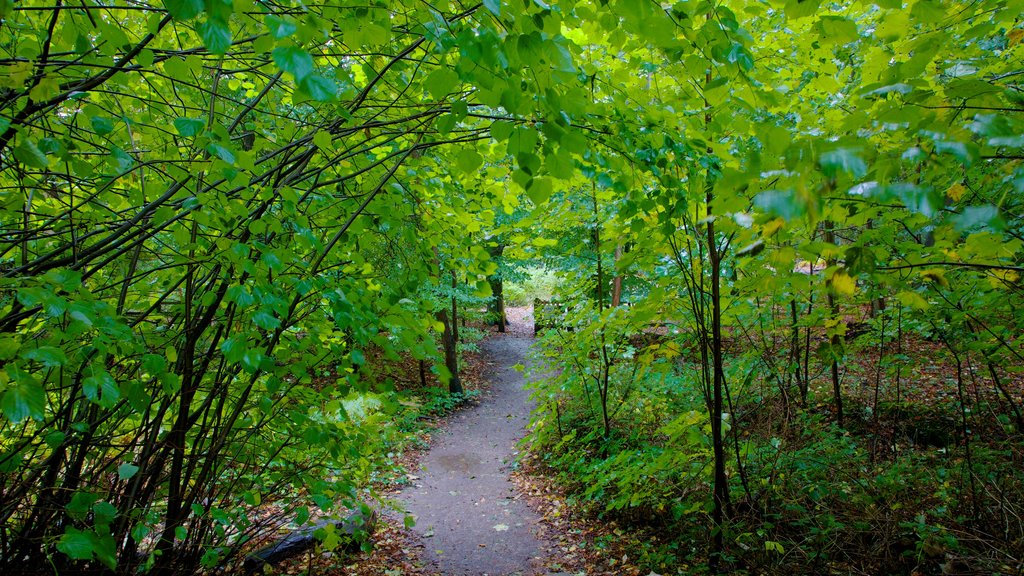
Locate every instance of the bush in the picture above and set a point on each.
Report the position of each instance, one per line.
(539, 282)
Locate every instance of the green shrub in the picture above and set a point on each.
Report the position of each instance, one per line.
(538, 283)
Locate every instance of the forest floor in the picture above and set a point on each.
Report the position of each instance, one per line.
(482, 505)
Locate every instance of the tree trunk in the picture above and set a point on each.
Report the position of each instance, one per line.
(834, 342)
(721, 483)
(720, 494)
(617, 280)
(497, 305)
(451, 358)
(455, 309)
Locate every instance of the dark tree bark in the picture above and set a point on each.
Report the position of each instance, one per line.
(451, 358)
(496, 307)
(834, 342)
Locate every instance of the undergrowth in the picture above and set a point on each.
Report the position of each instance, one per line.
(808, 497)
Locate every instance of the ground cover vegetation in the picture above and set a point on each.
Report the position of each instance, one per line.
(789, 238)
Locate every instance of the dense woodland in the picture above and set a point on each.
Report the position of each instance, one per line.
(786, 238)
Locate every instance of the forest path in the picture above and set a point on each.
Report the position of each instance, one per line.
(469, 517)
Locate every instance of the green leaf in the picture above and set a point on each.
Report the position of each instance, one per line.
(76, 544)
(8, 348)
(445, 123)
(103, 513)
(441, 82)
(184, 9)
(154, 364)
(965, 152)
(106, 550)
(501, 130)
(782, 203)
(48, 356)
(101, 125)
(55, 439)
(493, 6)
(293, 60)
(837, 30)
(81, 504)
(741, 56)
(266, 320)
(252, 360)
(539, 190)
(801, 8)
(126, 471)
(973, 217)
(29, 154)
(468, 161)
(221, 152)
(101, 389)
(25, 400)
(922, 199)
(189, 127)
(357, 357)
(280, 27)
(319, 88)
(216, 35)
(860, 260)
(842, 160)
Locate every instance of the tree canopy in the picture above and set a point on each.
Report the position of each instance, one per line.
(208, 204)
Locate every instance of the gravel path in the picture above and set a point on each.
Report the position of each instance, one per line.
(468, 515)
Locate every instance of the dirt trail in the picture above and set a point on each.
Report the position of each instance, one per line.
(468, 515)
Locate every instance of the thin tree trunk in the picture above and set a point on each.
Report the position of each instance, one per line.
(451, 358)
(617, 280)
(455, 308)
(721, 487)
(720, 494)
(497, 305)
(834, 342)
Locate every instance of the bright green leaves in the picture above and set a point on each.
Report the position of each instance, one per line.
(76, 544)
(101, 389)
(48, 356)
(842, 160)
(293, 60)
(28, 153)
(299, 63)
(441, 82)
(836, 30)
(975, 217)
(734, 53)
(928, 11)
(468, 161)
(216, 35)
(796, 9)
(539, 190)
(784, 203)
(237, 350)
(127, 471)
(999, 130)
(501, 130)
(88, 544)
(189, 127)
(183, 10)
(221, 151)
(319, 88)
(101, 125)
(280, 27)
(265, 319)
(24, 396)
(965, 152)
